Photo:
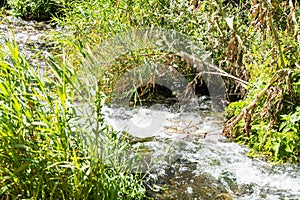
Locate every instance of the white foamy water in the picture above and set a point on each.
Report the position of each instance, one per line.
(194, 137)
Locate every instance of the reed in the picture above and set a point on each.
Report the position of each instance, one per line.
(43, 151)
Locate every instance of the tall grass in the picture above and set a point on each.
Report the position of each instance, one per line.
(42, 150)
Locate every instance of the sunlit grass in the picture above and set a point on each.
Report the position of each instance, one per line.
(42, 150)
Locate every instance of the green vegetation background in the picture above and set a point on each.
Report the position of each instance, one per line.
(44, 158)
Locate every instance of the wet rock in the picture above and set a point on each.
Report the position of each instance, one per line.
(182, 184)
(223, 196)
(228, 179)
(245, 189)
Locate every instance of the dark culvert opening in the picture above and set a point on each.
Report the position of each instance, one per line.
(201, 89)
(150, 94)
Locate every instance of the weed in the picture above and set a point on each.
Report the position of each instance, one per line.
(43, 149)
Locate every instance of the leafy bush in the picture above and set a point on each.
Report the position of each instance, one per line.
(270, 127)
(265, 120)
(256, 41)
(40, 10)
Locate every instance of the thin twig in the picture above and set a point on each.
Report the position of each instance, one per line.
(206, 67)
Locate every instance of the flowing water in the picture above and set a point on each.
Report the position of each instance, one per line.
(189, 155)
(182, 149)
(30, 36)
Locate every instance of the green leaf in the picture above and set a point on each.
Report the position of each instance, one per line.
(276, 147)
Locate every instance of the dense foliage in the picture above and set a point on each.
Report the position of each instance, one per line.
(252, 40)
(268, 119)
(44, 153)
(35, 9)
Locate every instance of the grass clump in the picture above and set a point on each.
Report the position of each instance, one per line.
(44, 154)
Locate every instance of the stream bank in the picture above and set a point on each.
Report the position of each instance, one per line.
(192, 164)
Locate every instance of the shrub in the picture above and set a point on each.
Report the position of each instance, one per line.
(40, 10)
(3, 3)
